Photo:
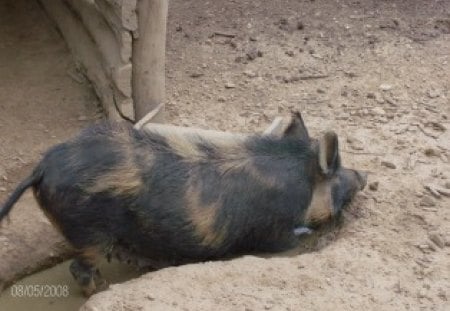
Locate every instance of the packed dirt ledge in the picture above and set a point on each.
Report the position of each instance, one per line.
(377, 72)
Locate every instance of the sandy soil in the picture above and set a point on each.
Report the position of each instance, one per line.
(377, 72)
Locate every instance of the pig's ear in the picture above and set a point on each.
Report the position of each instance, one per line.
(329, 160)
(296, 127)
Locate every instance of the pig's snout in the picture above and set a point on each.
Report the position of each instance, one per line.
(362, 177)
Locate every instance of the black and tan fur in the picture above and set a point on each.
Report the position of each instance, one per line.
(181, 198)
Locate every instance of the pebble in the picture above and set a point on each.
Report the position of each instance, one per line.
(2, 189)
(385, 87)
(289, 53)
(422, 293)
(431, 152)
(250, 74)
(374, 185)
(433, 190)
(230, 85)
(431, 246)
(371, 95)
(423, 247)
(82, 118)
(427, 201)
(379, 111)
(196, 74)
(379, 98)
(442, 294)
(433, 93)
(388, 164)
(221, 99)
(437, 239)
(253, 53)
(355, 143)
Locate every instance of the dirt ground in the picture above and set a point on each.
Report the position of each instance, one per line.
(377, 72)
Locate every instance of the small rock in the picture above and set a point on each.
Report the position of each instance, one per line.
(300, 25)
(433, 93)
(233, 44)
(422, 293)
(285, 25)
(388, 164)
(178, 28)
(289, 53)
(151, 298)
(436, 126)
(447, 185)
(431, 152)
(2, 189)
(253, 53)
(379, 111)
(432, 246)
(230, 85)
(371, 95)
(385, 87)
(437, 239)
(196, 74)
(442, 294)
(250, 74)
(390, 115)
(374, 185)
(221, 99)
(379, 98)
(427, 201)
(355, 143)
(240, 59)
(433, 190)
(423, 247)
(82, 118)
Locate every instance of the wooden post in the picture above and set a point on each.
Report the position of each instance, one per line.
(149, 49)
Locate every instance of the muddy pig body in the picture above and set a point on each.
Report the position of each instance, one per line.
(179, 198)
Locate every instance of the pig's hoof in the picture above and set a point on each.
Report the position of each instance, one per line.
(89, 290)
(100, 283)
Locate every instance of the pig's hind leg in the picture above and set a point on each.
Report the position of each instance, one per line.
(86, 273)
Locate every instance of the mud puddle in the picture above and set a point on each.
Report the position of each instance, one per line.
(54, 289)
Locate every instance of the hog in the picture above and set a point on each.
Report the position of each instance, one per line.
(174, 198)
